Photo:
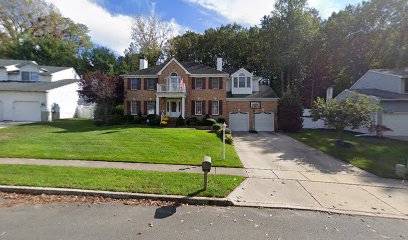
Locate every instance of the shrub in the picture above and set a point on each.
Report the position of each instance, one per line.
(216, 127)
(221, 120)
(114, 119)
(118, 110)
(219, 132)
(290, 112)
(99, 123)
(152, 117)
(180, 121)
(154, 120)
(192, 121)
(229, 139)
(208, 122)
(128, 118)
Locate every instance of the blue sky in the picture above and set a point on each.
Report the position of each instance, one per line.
(109, 21)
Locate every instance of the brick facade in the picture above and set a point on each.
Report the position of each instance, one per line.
(245, 106)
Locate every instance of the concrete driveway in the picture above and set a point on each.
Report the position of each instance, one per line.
(283, 172)
(9, 124)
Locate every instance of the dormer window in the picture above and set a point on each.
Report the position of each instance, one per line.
(29, 76)
(242, 81)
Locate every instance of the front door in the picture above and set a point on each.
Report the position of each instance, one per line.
(173, 107)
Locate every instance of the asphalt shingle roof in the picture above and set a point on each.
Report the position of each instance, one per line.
(381, 94)
(264, 92)
(33, 86)
(192, 67)
(399, 72)
(49, 69)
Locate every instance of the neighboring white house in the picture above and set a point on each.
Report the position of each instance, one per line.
(31, 92)
(390, 89)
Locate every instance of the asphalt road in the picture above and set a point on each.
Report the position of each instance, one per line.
(118, 221)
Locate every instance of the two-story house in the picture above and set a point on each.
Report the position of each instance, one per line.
(191, 89)
(31, 92)
(389, 87)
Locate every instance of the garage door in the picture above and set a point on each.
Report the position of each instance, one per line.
(239, 122)
(398, 122)
(264, 122)
(1, 111)
(26, 111)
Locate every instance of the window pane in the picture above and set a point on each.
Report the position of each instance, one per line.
(151, 106)
(133, 108)
(215, 83)
(34, 76)
(25, 76)
(198, 107)
(248, 82)
(215, 108)
(198, 83)
(135, 83)
(235, 82)
(150, 84)
(241, 82)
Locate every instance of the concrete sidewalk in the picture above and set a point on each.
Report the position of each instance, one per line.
(286, 173)
(123, 165)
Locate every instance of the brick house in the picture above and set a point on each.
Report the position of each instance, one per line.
(190, 89)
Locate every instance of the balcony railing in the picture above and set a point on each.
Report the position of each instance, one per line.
(171, 88)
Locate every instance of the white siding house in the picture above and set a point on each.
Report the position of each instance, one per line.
(30, 92)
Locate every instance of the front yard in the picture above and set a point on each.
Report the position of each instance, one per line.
(186, 184)
(79, 139)
(377, 156)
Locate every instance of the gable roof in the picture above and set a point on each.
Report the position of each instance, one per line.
(8, 62)
(190, 67)
(403, 73)
(34, 86)
(381, 94)
(19, 63)
(53, 69)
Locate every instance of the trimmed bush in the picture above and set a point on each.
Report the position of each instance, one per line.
(219, 132)
(221, 120)
(192, 121)
(99, 123)
(216, 127)
(118, 110)
(180, 121)
(208, 122)
(114, 120)
(229, 139)
(129, 118)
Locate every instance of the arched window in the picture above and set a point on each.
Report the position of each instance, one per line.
(173, 74)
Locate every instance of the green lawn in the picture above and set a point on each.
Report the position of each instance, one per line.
(378, 156)
(186, 184)
(80, 139)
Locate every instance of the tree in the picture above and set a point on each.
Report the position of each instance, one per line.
(290, 112)
(353, 111)
(35, 30)
(102, 59)
(149, 36)
(102, 89)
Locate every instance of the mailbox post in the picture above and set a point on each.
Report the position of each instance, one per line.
(206, 165)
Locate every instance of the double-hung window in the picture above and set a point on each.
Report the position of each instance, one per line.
(151, 107)
(198, 108)
(134, 83)
(199, 83)
(235, 82)
(215, 83)
(241, 83)
(215, 108)
(134, 108)
(150, 83)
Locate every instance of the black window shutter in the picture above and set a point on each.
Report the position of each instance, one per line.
(203, 107)
(156, 81)
(193, 83)
(220, 107)
(139, 84)
(204, 80)
(128, 107)
(145, 84)
(210, 86)
(220, 83)
(210, 107)
(139, 107)
(129, 83)
(192, 108)
(145, 107)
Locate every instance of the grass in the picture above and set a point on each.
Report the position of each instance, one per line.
(79, 139)
(186, 184)
(377, 156)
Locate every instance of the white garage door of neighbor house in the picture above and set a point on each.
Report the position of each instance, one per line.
(264, 122)
(27, 111)
(239, 122)
(397, 122)
(1, 111)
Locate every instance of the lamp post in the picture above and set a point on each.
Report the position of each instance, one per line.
(224, 126)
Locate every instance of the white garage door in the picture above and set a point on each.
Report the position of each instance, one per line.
(1, 111)
(264, 122)
(397, 122)
(239, 122)
(26, 111)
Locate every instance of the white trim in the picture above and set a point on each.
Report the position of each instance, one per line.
(195, 108)
(242, 70)
(209, 75)
(253, 99)
(212, 107)
(139, 76)
(173, 59)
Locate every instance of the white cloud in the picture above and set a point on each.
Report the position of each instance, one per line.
(106, 29)
(245, 12)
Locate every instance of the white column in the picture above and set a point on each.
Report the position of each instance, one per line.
(183, 106)
(157, 105)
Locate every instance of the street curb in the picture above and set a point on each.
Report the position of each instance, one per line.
(117, 195)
